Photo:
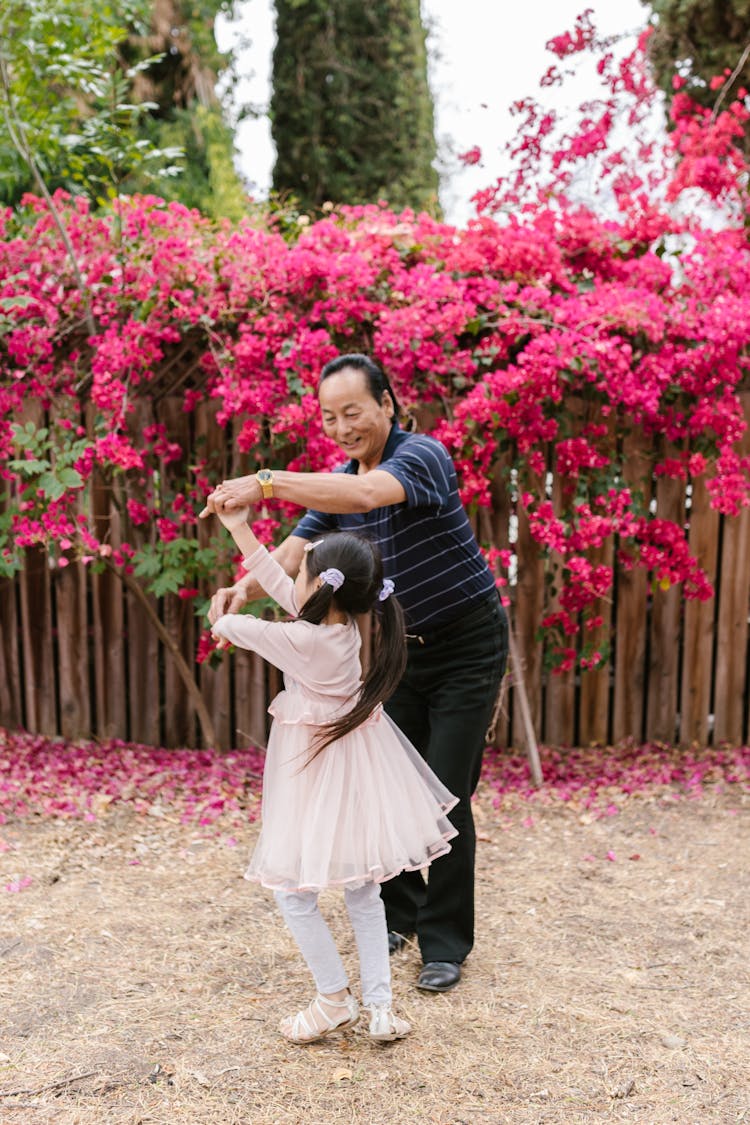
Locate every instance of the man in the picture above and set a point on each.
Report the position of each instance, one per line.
(401, 490)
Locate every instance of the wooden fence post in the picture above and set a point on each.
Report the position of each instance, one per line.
(39, 679)
(73, 651)
(11, 703)
(107, 598)
(631, 594)
(215, 682)
(142, 651)
(663, 667)
(178, 615)
(697, 663)
(734, 592)
(527, 614)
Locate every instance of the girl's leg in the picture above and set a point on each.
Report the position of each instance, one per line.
(310, 930)
(334, 1008)
(367, 915)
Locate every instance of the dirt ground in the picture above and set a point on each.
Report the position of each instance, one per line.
(142, 979)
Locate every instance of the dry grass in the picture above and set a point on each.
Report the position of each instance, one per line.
(141, 981)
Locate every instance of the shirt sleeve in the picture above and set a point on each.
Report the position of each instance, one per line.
(273, 578)
(425, 470)
(288, 645)
(315, 523)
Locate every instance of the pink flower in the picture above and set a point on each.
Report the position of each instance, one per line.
(471, 156)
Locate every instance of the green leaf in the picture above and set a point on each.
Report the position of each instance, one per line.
(28, 467)
(19, 302)
(50, 485)
(148, 565)
(70, 478)
(165, 583)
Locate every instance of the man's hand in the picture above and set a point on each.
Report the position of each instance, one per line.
(232, 494)
(229, 599)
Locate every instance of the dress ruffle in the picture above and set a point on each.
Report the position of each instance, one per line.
(293, 708)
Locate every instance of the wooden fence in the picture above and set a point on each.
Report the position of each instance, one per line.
(80, 658)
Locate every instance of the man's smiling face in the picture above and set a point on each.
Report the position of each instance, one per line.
(353, 419)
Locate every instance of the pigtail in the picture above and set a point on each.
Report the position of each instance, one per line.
(317, 605)
(386, 669)
(360, 588)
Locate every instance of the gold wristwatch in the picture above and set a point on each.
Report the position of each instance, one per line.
(264, 478)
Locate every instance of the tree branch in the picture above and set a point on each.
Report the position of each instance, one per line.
(185, 674)
(725, 88)
(16, 132)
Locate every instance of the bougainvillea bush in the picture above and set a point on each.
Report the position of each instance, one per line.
(545, 324)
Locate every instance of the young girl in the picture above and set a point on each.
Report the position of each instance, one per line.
(347, 800)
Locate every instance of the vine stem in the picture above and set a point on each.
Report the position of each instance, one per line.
(728, 84)
(17, 135)
(532, 747)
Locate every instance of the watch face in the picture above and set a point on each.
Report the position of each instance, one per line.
(264, 475)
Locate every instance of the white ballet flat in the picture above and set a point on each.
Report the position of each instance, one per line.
(315, 1022)
(384, 1025)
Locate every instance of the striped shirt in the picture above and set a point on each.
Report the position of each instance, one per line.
(426, 542)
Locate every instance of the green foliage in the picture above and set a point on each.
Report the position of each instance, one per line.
(66, 98)
(208, 180)
(351, 110)
(36, 469)
(100, 113)
(699, 40)
(169, 567)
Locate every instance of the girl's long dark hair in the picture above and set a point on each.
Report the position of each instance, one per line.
(359, 561)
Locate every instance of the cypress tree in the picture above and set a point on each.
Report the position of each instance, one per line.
(351, 110)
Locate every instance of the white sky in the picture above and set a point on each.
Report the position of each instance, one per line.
(484, 54)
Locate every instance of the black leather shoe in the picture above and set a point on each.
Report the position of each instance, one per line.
(439, 976)
(395, 941)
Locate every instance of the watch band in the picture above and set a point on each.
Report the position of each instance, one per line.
(264, 478)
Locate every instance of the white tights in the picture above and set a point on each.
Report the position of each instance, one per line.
(310, 930)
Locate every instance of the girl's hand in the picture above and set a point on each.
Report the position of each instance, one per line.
(232, 518)
(221, 642)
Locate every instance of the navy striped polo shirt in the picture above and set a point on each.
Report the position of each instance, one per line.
(427, 544)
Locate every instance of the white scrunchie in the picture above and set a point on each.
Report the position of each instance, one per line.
(386, 590)
(333, 577)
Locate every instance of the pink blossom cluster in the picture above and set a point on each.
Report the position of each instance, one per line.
(538, 341)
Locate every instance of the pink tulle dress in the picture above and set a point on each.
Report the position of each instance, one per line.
(368, 806)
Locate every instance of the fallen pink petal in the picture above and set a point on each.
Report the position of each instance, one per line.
(17, 885)
(48, 777)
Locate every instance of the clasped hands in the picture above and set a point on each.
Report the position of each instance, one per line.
(230, 495)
